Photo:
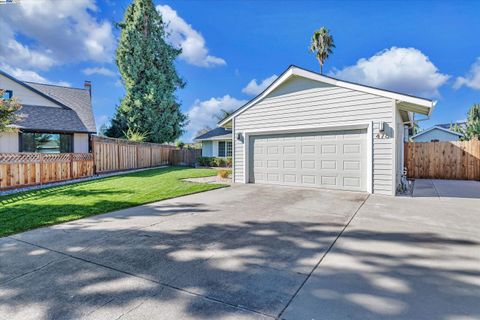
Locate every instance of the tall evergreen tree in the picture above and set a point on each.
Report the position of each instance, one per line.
(146, 63)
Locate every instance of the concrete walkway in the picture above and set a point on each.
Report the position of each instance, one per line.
(252, 252)
(447, 188)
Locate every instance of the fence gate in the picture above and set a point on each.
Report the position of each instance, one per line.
(459, 160)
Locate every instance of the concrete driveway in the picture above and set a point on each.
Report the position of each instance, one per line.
(252, 252)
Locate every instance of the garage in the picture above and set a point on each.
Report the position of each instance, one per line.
(307, 129)
(329, 159)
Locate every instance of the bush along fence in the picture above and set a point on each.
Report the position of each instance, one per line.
(458, 160)
(108, 155)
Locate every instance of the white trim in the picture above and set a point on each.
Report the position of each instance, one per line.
(395, 151)
(213, 139)
(439, 128)
(233, 150)
(215, 149)
(370, 157)
(296, 71)
(246, 169)
(300, 129)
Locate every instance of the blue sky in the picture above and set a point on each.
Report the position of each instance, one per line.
(232, 49)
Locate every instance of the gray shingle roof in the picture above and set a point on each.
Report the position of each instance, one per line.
(216, 134)
(49, 118)
(74, 98)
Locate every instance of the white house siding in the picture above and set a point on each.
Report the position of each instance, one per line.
(25, 95)
(80, 142)
(436, 134)
(9, 142)
(303, 102)
(207, 148)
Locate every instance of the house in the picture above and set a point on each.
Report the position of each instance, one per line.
(308, 129)
(53, 119)
(439, 132)
(216, 143)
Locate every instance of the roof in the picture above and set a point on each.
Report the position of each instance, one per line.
(49, 118)
(74, 113)
(412, 103)
(77, 99)
(216, 134)
(438, 128)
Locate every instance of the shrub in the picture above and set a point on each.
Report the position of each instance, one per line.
(203, 161)
(135, 135)
(214, 162)
(220, 162)
(224, 173)
(229, 162)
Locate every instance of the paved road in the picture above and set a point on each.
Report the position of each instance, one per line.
(253, 252)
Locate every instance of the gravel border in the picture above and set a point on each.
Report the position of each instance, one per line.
(67, 182)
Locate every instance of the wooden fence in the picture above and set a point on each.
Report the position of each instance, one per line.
(25, 169)
(118, 154)
(108, 155)
(112, 154)
(443, 160)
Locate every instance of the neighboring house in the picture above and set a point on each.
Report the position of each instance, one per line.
(436, 133)
(216, 143)
(53, 119)
(308, 129)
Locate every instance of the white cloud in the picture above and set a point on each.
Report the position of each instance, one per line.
(202, 113)
(472, 79)
(253, 88)
(181, 34)
(406, 70)
(52, 33)
(29, 75)
(99, 70)
(101, 120)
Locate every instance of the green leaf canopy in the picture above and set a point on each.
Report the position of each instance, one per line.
(146, 63)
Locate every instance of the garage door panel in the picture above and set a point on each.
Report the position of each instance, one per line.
(324, 159)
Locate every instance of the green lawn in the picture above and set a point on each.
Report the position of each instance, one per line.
(33, 209)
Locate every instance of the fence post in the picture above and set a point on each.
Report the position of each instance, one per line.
(137, 165)
(93, 154)
(40, 156)
(71, 165)
(119, 166)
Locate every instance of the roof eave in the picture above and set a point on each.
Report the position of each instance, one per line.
(26, 85)
(213, 139)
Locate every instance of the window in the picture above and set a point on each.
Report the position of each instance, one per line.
(7, 94)
(229, 148)
(221, 148)
(224, 149)
(44, 142)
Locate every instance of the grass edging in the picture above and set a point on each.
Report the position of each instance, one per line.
(45, 207)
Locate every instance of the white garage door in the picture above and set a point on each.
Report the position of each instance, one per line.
(333, 159)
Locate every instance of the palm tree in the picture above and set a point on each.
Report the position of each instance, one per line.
(222, 114)
(322, 45)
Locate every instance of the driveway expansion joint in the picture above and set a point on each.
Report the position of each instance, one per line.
(322, 257)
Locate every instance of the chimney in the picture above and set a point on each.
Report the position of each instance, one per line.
(88, 86)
